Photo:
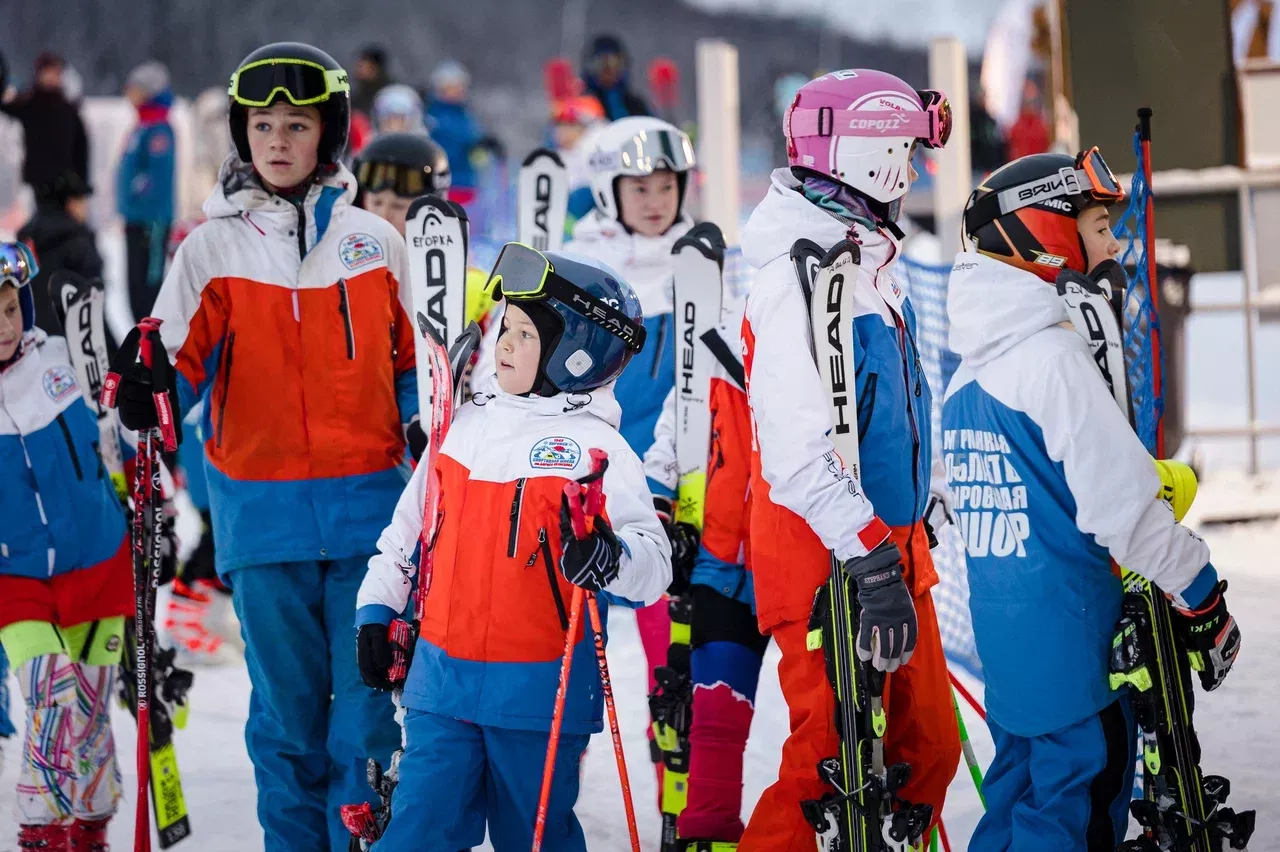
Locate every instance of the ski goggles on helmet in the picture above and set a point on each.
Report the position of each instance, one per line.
(931, 124)
(645, 153)
(300, 81)
(405, 181)
(17, 264)
(524, 274)
(1089, 177)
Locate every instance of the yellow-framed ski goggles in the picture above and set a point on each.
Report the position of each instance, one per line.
(302, 82)
(524, 274)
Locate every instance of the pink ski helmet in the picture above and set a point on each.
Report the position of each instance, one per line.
(858, 127)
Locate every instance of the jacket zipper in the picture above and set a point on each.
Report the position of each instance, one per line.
(513, 536)
(344, 308)
(226, 386)
(867, 402)
(71, 446)
(544, 547)
(302, 232)
(905, 341)
(657, 350)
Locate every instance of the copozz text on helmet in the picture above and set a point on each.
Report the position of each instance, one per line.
(882, 125)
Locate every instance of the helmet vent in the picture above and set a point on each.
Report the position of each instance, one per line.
(578, 363)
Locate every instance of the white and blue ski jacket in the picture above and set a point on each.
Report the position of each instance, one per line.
(1049, 484)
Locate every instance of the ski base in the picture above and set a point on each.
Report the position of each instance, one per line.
(170, 806)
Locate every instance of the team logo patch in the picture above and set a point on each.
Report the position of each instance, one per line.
(359, 250)
(555, 454)
(59, 383)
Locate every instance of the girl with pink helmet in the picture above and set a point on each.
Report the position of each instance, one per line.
(851, 136)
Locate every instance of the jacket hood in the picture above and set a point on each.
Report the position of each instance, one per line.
(239, 191)
(600, 403)
(994, 306)
(643, 262)
(785, 215)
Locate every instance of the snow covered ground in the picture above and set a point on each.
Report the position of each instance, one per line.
(1237, 728)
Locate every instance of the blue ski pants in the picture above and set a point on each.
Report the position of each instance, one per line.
(457, 777)
(1065, 791)
(312, 722)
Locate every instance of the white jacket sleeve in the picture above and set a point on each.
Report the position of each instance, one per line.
(792, 422)
(645, 571)
(388, 581)
(1111, 475)
(660, 464)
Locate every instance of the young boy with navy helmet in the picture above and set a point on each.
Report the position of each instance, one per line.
(481, 688)
(1050, 488)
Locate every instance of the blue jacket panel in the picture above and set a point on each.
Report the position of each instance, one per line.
(145, 185)
(644, 384)
(58, 510)
(456, 130)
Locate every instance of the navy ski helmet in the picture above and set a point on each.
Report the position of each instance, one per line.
(18, 267)
(598, 324)
(408, 164)
(303, 75)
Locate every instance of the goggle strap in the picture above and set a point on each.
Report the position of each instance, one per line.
(826, 122)
(584, 304)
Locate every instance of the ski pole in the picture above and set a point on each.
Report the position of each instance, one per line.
(970, 759)
(580, 521)
(967, 695)
(606, 686)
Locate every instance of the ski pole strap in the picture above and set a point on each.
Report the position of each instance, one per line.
(141, 344)
(586, 496)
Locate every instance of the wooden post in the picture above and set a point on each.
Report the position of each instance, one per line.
(949, 73)
(718, 134)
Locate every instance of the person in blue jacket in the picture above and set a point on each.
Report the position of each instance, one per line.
(605, 68)
(66, 581)
(145, 184)
(1050, 487)
(453, 125)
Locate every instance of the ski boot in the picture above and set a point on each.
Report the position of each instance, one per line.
(89, 835)
(195, 611)
(47, 838)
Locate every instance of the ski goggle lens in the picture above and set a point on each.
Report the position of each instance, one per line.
(645, 153)
(520, 272)
(302, 82)
(938, 110)
(404, 181)
(17, 264)
(1103, 185)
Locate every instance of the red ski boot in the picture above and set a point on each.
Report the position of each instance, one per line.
(89, 835)
(46, 838)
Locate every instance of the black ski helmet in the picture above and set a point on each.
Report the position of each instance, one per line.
(303, 75)
(410, 164)
(1024, 213)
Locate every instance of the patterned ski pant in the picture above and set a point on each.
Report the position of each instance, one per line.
(68, 766)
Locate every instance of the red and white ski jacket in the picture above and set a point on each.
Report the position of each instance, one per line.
(494, 626)
(804, 501)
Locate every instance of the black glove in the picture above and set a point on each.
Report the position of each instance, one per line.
(590, 563)
(684, 539)
(1212, 638)
(887, 632)
(417, 440)
(374, 656)
(134, 398)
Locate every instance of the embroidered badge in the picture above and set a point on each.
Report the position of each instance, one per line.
(59, 383)
(555, 454)
(359, 250)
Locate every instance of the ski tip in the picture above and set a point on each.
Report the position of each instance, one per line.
(428, 330)
(540, 153)
(458, 210)
(1069, 279)
(840, 250)
(434, 202)
(803, 248)
(707, 238)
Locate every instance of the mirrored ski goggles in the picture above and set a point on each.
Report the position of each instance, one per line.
(1089, 177)
(405, 181)
(17, 264)
(524, 274)
(302, 82)
(645, 153)
(931, 125)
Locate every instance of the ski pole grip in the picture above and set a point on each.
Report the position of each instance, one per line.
(400, 637)
(595, 488)
(1144, 123)
(586, 497)
(147, 343)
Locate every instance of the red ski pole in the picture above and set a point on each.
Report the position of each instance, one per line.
(606, 686)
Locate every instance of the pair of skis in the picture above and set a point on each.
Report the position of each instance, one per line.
(864, 814)
(1182, 810)
(158, 699)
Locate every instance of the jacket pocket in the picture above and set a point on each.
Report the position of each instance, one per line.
(513, 533)
(544, 548)
(344, 308)
(71, 446)
(867, 404)
(226, 386)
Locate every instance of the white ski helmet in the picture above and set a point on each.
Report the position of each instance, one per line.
(637, 146)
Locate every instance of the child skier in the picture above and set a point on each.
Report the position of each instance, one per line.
(726, 646)
(1029, 406)
(483, 680)
(285, 313)
(847, 178)
(396, 168)
(640, 169)
(65, 579)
